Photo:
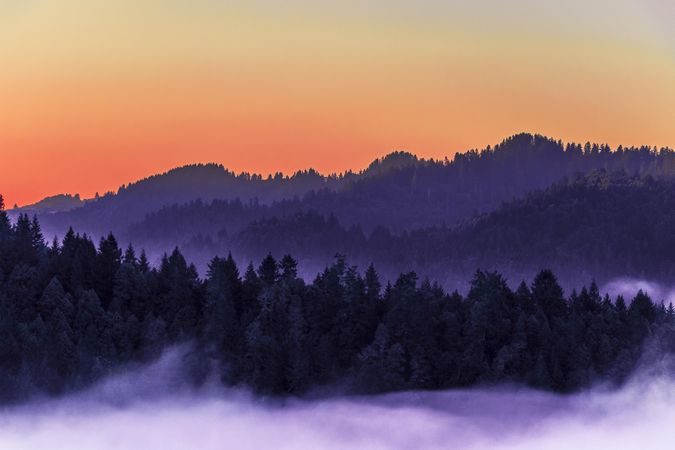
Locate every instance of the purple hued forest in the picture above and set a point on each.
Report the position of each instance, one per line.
(320, 225)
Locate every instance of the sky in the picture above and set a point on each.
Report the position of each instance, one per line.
(94, 94)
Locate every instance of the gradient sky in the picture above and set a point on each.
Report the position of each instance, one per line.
(94, 94)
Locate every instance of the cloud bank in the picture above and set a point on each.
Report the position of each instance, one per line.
(152, 409)
(628, 287)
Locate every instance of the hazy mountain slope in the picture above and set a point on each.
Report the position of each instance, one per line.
(432, 193)
(402, 192)
(399, 192)
(601, 226)
(116, 211)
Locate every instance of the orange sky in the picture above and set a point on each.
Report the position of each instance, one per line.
(94, 94)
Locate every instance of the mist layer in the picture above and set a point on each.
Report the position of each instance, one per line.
(149, 409)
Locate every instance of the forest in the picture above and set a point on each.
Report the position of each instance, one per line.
(600, 225)
(74, 311)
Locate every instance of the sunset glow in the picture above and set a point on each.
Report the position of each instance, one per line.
(94, 94)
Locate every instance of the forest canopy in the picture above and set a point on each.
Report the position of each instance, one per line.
(74, 311)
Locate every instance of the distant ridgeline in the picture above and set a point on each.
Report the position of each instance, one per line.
(70, 313)
(53, 204)
(399, 191)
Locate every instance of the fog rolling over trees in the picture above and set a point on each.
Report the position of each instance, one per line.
(74, 311)
(150, 408)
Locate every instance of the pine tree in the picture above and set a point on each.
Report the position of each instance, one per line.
(223, 290)
(268, 272)
(373, 285)
(108, 261)
(129, 256)
(52, 300)
(62, 360)
(22, 292)
(143, 264)
(548, 295)
(37, 240)
(289, 267)
(250, 289)
(128, 292)
(23, 245)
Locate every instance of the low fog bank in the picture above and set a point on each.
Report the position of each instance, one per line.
(151, 408)
(627, 287)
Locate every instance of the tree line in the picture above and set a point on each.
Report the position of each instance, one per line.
(72, 312)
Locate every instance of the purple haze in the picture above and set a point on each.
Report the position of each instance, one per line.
(151, 409)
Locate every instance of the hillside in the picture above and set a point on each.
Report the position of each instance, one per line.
(399, 191)
(116, 211)
(598, 226)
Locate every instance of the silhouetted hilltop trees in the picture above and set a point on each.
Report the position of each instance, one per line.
(433, 193)
(116, 211)
(392, 161)
(72, 312)
(400, 191)
(55, 203)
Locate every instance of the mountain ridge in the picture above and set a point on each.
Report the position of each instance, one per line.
(391, 161)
